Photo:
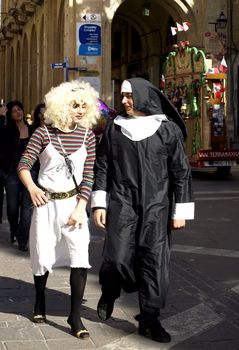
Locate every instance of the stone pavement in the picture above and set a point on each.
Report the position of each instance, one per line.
(200, 313)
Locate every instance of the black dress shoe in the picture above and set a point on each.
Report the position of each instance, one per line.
(154, 330)
(13, 238)
(105, 308)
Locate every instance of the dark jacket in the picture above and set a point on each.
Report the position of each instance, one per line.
(9, 139)
(140, 178)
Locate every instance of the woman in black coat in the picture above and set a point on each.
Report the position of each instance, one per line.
(14, 138)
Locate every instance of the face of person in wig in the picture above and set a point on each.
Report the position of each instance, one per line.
(128, 103)
(79, 111)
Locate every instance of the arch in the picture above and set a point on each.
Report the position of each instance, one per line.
(33, 70)
(154, 37)
(58, 74)
(25, 79)
(18, 72)
(3, 80)
(11, 74)
(41, 60)
(61, 25)
(176, 7)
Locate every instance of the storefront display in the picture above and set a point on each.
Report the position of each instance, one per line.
(200, 97)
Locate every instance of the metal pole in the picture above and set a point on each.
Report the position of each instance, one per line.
(67, 65)
(113, 93)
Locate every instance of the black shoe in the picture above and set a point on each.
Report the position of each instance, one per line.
(13, 238)
(105, 308)
(153, 329)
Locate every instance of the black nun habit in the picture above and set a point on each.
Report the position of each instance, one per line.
(141, 169)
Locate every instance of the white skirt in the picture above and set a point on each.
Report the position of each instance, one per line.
(52, 242)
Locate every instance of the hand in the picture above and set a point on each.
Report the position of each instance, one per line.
(176, 224)
(100, 217)
(38, 196)
(77, 217)
(3, 110)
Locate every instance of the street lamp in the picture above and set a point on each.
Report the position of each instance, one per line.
(146, 9)
(221, 22)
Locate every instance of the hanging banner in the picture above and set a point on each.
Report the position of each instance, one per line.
(88, 35)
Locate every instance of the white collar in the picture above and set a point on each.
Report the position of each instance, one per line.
(141, 127)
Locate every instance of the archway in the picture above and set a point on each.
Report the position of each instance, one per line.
(18, 73)
(11, 75)
(33, 70)
(141, 38)
(41, 60)
(25, 73)
(58, 74)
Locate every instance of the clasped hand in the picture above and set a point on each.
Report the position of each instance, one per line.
(76, 219)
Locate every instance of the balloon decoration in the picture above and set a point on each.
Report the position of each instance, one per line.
(107, 113)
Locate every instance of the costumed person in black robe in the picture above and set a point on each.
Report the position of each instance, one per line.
(142, 191)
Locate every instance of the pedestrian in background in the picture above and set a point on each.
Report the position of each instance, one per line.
(14, 138)
(59, 234)
(38, 115)
(1, 195)
(3, 111)
(141, 170)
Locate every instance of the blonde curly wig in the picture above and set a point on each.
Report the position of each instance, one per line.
(61, 99)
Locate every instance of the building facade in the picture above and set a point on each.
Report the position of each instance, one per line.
(45, 42)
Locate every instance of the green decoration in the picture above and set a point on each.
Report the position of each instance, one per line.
(196, 144)
(194, 108)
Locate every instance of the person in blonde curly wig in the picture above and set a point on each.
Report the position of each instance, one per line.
(59, 102)
(59, 234)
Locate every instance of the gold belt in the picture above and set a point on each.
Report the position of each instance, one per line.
(58, 195)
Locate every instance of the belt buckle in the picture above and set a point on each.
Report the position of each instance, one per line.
(67, 195)
(63, 195)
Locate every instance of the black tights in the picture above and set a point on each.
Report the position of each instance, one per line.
(78, 278)
(40, 284)
(77, 282)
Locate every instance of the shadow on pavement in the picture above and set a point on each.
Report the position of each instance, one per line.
(17, 297)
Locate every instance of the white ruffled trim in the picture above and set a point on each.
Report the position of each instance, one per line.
(184, 211)
(137, 128)
(99, 199)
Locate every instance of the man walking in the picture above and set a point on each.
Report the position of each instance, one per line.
(142, 190)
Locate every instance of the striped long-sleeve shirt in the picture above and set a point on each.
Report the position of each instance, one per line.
(71, 141)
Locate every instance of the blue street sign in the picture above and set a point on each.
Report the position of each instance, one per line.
(89, 39)
(58, 65)
(90, 34)
(90, 50)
